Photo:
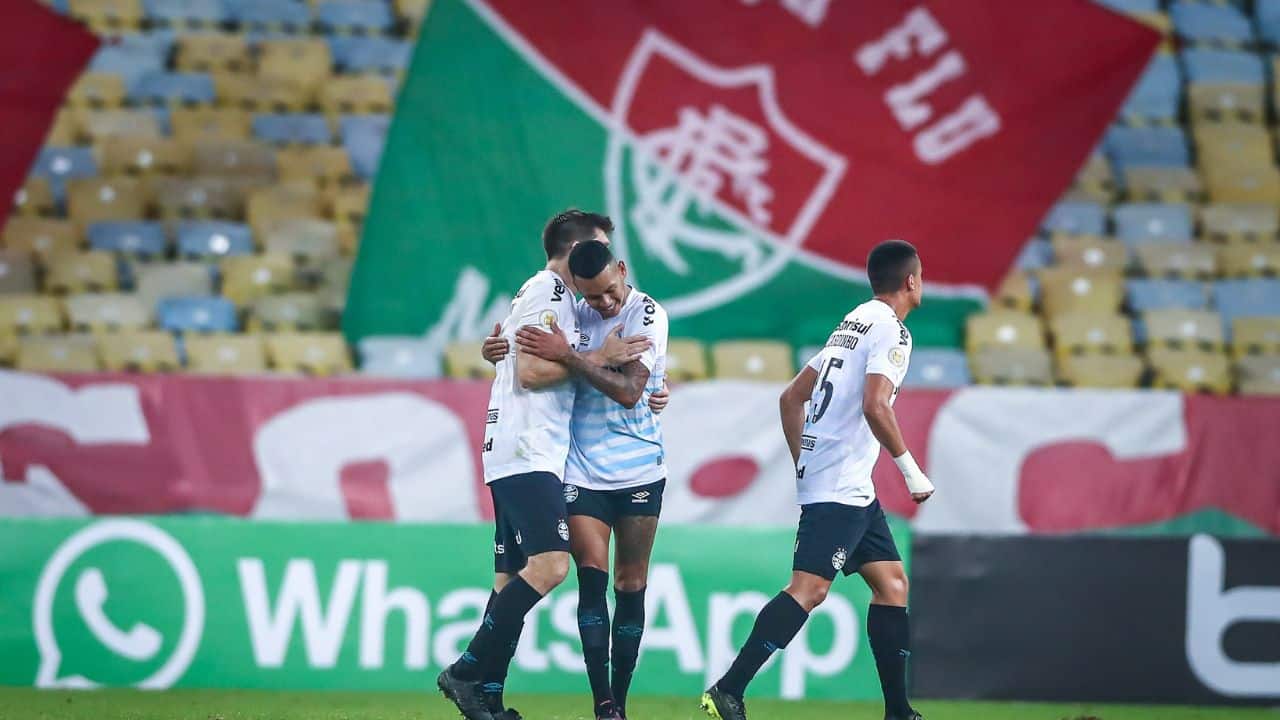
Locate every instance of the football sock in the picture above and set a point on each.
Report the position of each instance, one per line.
(593, 626)
(494, 675)
(499, 628)
(889, 633)
(776, 624)
(628, 628)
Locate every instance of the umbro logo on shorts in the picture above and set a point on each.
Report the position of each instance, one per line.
(640, 497)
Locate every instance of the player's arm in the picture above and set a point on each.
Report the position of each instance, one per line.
(878, 411)
(535, 373)
(615, 352)
(625, 387)
(791, 406)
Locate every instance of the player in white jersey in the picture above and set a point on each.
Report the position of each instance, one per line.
(617, 468)
(849, 388)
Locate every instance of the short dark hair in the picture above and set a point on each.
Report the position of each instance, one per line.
(571, 226)
(589, 259)
(889, 264)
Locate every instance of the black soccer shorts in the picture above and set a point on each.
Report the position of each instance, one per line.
(834, 537)
(608, 506)
(529, 519)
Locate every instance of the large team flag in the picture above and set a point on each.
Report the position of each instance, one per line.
(751, 152)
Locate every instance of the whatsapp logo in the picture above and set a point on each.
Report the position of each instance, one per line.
(118, 603)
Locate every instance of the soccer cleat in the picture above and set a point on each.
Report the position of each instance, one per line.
(913, 716)
(723, 706)
(508, 714)
(608, 711)
(465, 694)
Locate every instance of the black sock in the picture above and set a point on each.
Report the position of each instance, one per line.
(494, 675)
(628, 628)
(499, 628)
(890, 637)
(776, 624)
(593, 626)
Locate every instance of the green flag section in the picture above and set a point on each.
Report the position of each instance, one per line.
(486, 146)
(220, 603)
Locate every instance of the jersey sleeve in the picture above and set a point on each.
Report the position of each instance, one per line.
(815, 362)
(888, 353)
(650, 320)
(551, 303)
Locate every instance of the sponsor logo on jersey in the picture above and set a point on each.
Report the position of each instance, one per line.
(854, 326)
(640, 497)
(563, 529)
(570, 493)
(839, 558)
(808, 442)
(897, 356)
(492, 416)
(488, 445)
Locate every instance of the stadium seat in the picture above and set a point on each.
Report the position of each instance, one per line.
(197, 314)
(297, 311)
(1194, 371)
(1138, 223)
(686, 360)
(1085, 251)
(107, 16)
(213, 52)
(1223, 222)
(359, 16)
(370, 54)
(107, 311)
(155, 282)
(309, 241)
(274, 94)
(1223, 148)
(208, 197)
(1192, 260)
(329, 166)
(1227, 103)
(402, 357)
(1159, 294)
(309, 353)
(94, 200)
(1095, 180)
(30, 314)
(17, 272)
(1018, 291)
(1037, 253)
(97, 90)
(305, 62)
(193, 14)
(35, 197)
(41, 237)
(163, 88)
(1245, 185)
(248, 277)
(225, 354)
(1133, 7)
(234, 158)
(271, 15)
(1211, 23)
(138, 351)
(1076, 218)
(1158, 94)
(1247, 298)
(1162, 184)
(412, 10)
(144, 156)
(1205, 66)
(99, 124)
(1255, 336)
(364, 138)
(356, 95)
(350, 205)
(1077, 333)
(937, 368)
(462, 361)
(301, 128)
(1072, 289)
(65, 130)
(267, 207)
(1147, 146)
(128, 238)
(200, 123)
(8, 348)
(1183, 329)
(59, 164)
(1011, 366)
(1003, 329)
(81, 272)
(334, 278)
(128, 62)
(752, 360)
(1259, 375)
(58, 353)
(1100, 371)
(200, 239)
(1250, 259)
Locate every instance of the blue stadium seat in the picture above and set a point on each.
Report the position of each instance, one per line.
(1133, 6)
(1076, 218)
(1158, 94)
(938, 368)
(1037, 253)
(197, 314)
(1223, 66)
(400, 357)
(214, 239)
(357, 54)
(131, 238)
(187, 12)
(1153, 222)
(270, 14)
(307, 128)
(155, 42)
(1204, 22)
(1159, 294)
(1246, 298)
(128, 62)
(364, 136)
(65, 163)
(171, 87)
(1160, 146)
(360, 15)
(1267, 13)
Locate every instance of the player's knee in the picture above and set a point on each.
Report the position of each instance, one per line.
(630, 578)
(809, 595)
(893, 590)
(550, 568)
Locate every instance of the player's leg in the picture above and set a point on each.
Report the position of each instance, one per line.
(636, 530)
(888, 631)
(589, 533)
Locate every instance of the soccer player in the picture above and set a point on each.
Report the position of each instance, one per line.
(850, 387)
(616, 471)
(525, 448)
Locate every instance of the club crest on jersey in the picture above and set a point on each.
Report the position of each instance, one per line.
(840, 557)
(897, 356)
(570, 493)
(563, 529)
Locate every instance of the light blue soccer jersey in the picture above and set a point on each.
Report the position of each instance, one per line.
(614, 447)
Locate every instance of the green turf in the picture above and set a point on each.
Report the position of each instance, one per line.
(26, 704)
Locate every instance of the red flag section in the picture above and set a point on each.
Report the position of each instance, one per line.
(954, 123)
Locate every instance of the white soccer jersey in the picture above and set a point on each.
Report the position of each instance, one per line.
(528, 430)
(837, 450)
(615, 447)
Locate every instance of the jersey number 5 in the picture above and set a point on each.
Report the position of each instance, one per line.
(828, 387)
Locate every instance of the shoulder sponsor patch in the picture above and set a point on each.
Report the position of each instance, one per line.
(547, 320)
(897, 356)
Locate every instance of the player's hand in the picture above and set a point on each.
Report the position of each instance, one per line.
(495, 346)
(618, 351)
(540, 343)
(920, 497)
(658, 401)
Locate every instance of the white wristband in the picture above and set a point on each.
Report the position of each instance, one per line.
(916, 480)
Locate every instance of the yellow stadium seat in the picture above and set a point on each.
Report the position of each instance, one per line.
(108, 16)
(1194, 371)
(1231, 146)
(98, 124)
(310, 353)
(1101, 371)
(1255, 336)
(309, 241)
(1259, 375)
(222, 354)
(1226, 103)
(1086, 251)
(288, 312)
(326, 164)
(1014, 292)
(1085, 333)
(1095, 180)
(1223, 222)
(81, 273)
(1196, 260)
(138, 351)
(305, 62)
(752, 360)
(262, 94)
(30, 314)
(1184, 329)
(1067, 289)
(1003, 329)
(200, 198)
(107, 311)
(246, 278)
(1162, 184)
(1250, 259)
(92, 200)
(17, 272)
(686, 360)
(462, 360)
(156, 281)
(144, 156)
(66, 130)
(1245, 185)
(413, 10)
(347, 95)
(335, 275)
(268, 207)
(1011, 366)
(194, 124)
(209, 52)
(35, 197)
(8, 348)
(58, 353)
(42, 237)
(234, 158)
(97, 90)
